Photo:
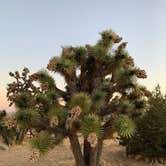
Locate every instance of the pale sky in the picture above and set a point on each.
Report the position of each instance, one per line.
(32, 31)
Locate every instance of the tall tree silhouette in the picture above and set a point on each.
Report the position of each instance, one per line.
(101, 97)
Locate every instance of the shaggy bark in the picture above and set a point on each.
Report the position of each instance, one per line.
(76, 149)
(92, 154)
(86, 152)
(100, 148)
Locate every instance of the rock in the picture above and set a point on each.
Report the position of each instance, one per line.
(138, 157)
(3, 147)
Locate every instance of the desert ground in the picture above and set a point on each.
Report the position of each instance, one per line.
(113, 155)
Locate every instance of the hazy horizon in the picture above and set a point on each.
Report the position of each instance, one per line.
(34, 31)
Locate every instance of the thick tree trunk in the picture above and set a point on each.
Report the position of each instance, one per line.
(86, 151)
(92, 154)
(99, 151)
(76, 149)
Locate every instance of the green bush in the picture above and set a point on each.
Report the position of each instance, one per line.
(150, 137)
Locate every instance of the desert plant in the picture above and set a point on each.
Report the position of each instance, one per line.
(7, 128)
(101, 97)
(149, 139)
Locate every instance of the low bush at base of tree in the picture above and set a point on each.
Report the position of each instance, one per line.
(149, 140)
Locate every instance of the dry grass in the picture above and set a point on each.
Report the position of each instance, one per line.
(113, 155)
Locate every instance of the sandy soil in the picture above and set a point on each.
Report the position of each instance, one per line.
(113, 155)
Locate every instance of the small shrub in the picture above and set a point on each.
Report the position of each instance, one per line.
(149, 139)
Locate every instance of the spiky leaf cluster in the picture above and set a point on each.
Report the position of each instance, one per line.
(98, 99)
(125, 126)
(91, 124)
(27, 118)
(82, 100)
(60, 113)
(43, 142)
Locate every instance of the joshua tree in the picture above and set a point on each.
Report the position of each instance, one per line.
(101, 97)
(8, 130)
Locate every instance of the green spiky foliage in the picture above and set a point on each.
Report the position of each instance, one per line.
(101, 84)
(27, 118)
(149, 138)
(125, 126)
(82, 100)
(43, 142)
(98, 99)
(91, 124)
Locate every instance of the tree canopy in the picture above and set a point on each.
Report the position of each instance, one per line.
(101, 97)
